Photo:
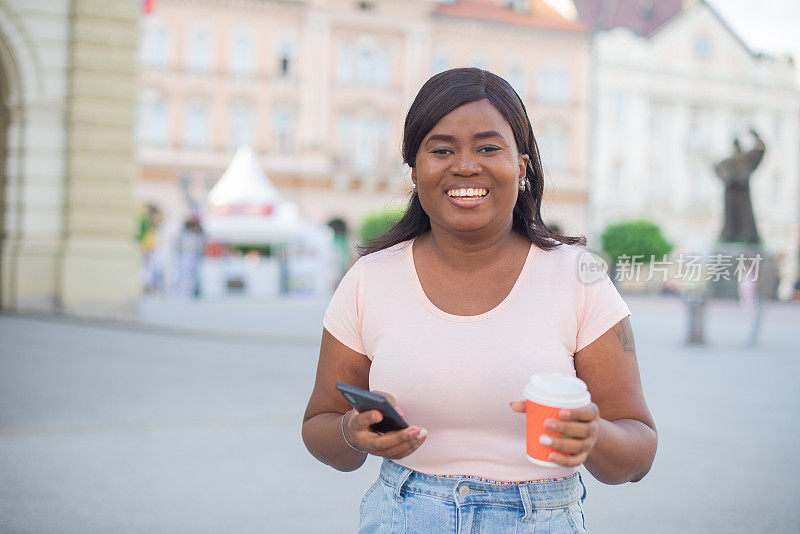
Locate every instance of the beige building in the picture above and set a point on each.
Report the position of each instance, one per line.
(320, 90)
(67, 98)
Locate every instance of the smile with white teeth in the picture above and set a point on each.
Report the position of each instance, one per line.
(468, 193)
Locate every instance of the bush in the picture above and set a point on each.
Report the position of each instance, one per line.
(634, 238)
(376, 224)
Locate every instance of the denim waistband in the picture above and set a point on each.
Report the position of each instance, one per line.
(527, 496)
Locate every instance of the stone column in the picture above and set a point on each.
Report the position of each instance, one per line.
(100, 264)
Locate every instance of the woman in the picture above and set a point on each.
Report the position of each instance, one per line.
(449, 314)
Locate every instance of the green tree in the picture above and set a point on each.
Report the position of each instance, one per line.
(634, 238)
(376, 224)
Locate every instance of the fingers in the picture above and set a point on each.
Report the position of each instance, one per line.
(406, 446)
(396, 444)
(391, 400)
(587, 413)
(577, 431)
(568, 461)
(388, 396)
(517, 406)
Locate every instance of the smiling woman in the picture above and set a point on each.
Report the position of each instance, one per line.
(450, 312)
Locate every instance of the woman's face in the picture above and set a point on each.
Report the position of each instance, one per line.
(472, 147)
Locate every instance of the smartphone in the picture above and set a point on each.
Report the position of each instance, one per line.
(363, 400)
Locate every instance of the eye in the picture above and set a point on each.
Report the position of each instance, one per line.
(440, 150)
(491, 148)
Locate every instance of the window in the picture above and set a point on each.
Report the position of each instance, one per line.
(241, 126)
(154, 47)
(362, 141)
(440, 63)
(152, 124)
(242, 60)
(553, 147)
(383, 67)
(196, 125)
(283, 125)
(345, 62)
(364, 66)
(200, 50)
(516, 78)
(285, 58)
(702, 47)
(478, 62)
(552, 85)
(157, 133)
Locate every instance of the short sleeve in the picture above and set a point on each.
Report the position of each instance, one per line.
(601, 307)
(344, 314)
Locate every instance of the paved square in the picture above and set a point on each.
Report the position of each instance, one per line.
(190, 422)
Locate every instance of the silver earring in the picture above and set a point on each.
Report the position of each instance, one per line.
(413, 187)
(522, 184)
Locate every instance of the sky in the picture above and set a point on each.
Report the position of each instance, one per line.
(769, 26)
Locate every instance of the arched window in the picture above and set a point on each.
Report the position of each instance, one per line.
(552, 85)
(200, 50)
(242, 54)
(553, 147)
(196, 125)
(241, 126)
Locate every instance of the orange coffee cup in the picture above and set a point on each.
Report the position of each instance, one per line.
(545, 396)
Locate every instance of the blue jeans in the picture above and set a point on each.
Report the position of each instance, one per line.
(409, 502)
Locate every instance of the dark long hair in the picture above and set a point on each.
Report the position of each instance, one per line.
(440, 95)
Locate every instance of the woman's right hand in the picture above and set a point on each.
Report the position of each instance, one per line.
(395, 444)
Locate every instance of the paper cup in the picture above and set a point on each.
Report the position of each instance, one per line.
(545, 396)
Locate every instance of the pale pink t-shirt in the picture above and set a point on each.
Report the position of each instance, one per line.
(454, 375)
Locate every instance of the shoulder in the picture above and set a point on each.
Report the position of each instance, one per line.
(384, 258)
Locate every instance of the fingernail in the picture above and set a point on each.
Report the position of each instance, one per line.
(422, 434)
(399, 411)
(413, 431)
(564, 414)
(545, 439)
(549, 425)
(375, 417)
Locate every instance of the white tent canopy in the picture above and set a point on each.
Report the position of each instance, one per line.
(245, 207)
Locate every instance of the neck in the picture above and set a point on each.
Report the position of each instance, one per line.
(471, 253)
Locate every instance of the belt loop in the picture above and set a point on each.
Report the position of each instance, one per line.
(580, 479)
(400, 481)
(526, 501)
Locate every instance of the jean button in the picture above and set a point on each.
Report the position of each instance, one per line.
(463, 491)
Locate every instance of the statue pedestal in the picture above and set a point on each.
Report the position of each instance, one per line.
(727, 287)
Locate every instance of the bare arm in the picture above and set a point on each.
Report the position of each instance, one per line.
(627, 437)
(322, 426)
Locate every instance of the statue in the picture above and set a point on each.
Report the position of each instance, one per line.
(735, 171)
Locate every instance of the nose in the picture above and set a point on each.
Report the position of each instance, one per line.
(465, 165)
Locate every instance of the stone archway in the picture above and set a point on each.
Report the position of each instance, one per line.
(5, 121)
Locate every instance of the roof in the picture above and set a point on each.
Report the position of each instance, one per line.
(538, 15)
(643, 17)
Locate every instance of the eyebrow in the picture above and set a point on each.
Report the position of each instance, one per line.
(451, 139)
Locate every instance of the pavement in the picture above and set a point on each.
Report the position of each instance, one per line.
(188, 419)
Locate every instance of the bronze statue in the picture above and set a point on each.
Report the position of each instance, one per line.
(735, 171)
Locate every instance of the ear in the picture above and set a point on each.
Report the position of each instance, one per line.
(524, 159)
(414, 174)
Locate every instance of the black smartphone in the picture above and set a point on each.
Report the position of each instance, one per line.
(363, 400)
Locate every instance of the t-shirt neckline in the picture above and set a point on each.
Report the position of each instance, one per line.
(465, 318)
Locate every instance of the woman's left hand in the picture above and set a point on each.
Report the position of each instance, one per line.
(581, 426)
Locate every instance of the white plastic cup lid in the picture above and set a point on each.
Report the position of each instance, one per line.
(562, 391)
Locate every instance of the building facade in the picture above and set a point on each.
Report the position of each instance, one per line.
(320, 91)
(673, 87)
(67, 98)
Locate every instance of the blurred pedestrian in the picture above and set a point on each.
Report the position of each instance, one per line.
(189, 255)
